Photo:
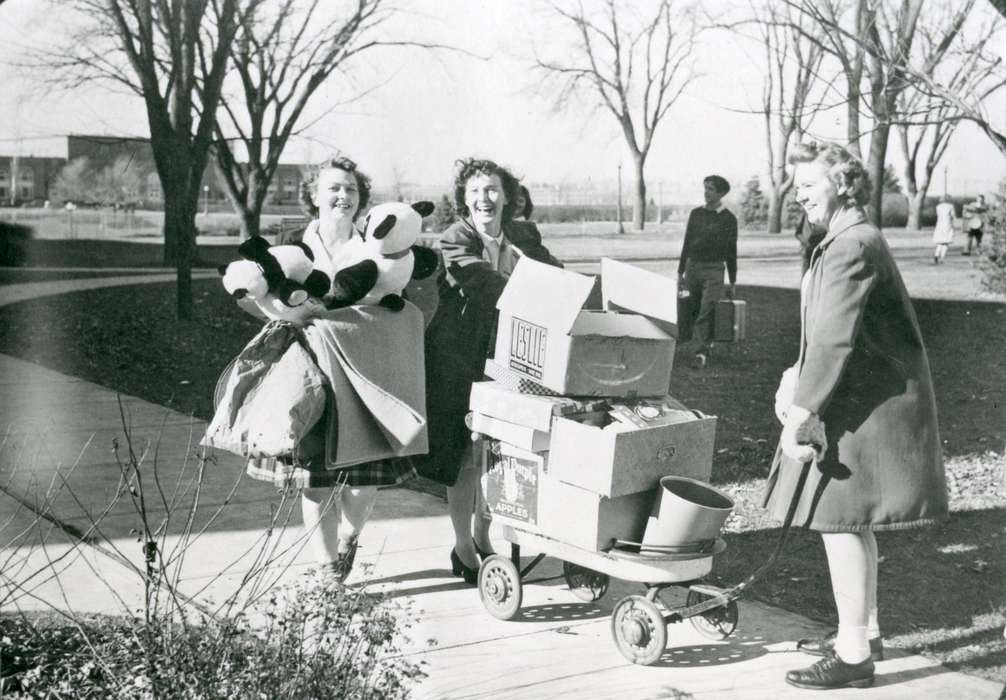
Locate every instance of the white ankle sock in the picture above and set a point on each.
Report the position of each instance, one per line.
(851, 644)
(872, 625)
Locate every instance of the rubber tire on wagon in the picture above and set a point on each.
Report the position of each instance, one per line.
(500, 587)
(639, 630)
(586, 584)
(718, 623)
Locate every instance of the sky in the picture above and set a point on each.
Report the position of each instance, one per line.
(427, 109)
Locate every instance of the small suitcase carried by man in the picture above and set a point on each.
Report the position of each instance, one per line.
(686, 315)
(730, 320)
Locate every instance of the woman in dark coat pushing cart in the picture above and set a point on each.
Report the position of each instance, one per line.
(479, 251)
(860, 442)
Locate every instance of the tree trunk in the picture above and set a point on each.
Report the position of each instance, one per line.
(915, 210)
(639, 201)
(251, 221)
(775, 202)
(179, 226)
(875, 167)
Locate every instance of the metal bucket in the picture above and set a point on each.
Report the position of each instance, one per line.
(686, 511)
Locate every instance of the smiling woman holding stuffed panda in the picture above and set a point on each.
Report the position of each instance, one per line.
(334, 194)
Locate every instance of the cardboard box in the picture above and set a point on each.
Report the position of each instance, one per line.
(616, 463)
(519, 490)
(512, 484)
(517, 435)
(590, 521)
(627, 287)
(495, 400)
(545, 335)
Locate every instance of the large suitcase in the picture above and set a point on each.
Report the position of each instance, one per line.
(730, 320)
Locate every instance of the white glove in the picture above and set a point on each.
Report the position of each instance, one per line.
(803, 435)
(784, 394)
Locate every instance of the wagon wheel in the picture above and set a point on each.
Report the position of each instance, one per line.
(499, 587)
(639, 630)
(586, 584)
(718, 623)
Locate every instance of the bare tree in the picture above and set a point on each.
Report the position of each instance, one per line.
(885, 31)
(792, 71)
(285, 53)
(634, 67)
(174, 54)
(929, 119)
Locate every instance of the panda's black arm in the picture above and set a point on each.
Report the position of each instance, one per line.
(352, 284)
(427, 261)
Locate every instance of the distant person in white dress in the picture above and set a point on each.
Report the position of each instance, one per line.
(943, 234)
(974, 218)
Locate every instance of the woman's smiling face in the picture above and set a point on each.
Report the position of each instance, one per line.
(815, 192)
(338, 195)
(485, 199)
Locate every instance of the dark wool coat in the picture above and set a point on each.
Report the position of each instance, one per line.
(864, 371)
(459, 337)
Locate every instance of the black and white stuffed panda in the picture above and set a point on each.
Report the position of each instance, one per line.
(280, 279)
(384, 257)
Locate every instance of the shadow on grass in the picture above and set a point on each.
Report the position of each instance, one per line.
(98, 253)
(934, 583)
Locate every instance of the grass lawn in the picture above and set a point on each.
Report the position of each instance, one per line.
(941, 589)
(113, 253)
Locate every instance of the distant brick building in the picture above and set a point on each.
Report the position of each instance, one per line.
(30, 178)
(27, 179)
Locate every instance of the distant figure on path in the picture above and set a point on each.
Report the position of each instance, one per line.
(974, 219)
(943, 234)
(710, 246)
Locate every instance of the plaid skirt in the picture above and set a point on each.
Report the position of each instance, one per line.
(286, 474)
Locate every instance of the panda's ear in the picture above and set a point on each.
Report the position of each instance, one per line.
(317, 284)
(424, 208)
(222, 269)
(384, 228)
(306, 248)
(255, 248)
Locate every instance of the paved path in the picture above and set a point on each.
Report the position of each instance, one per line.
(58, 455)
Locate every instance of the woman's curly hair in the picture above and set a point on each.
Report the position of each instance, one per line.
(309, 183)
(845, 170)
(468, 167)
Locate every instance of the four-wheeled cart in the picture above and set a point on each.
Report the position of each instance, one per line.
(639, 622)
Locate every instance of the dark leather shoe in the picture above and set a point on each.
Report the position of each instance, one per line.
(831, 672)
(826, 645)
(458, 568)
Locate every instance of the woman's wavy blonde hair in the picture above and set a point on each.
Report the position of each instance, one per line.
(845, 170)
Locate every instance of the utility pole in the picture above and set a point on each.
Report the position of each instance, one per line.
(945, 169)
(660, 202)
(618, 205)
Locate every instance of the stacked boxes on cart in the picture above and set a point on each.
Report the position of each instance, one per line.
(581, 424)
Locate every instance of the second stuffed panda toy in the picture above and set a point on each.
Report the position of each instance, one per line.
(386, 257)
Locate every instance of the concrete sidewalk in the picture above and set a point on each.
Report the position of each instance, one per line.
(59, 438)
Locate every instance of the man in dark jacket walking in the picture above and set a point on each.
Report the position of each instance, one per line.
(710, 245)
